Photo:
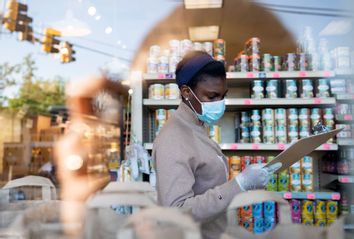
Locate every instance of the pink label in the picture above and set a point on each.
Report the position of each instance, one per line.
(233, 147)
(327, 73)
(255, 146)
(311, 196)
(348, 117)
(161, 76)
(326, 147)
(302, 74)
(275, 75)
(281, 146)
(344, 180)
(335, 196)
(288, 195)
(247, 102)
(317, 101)
(250, 75)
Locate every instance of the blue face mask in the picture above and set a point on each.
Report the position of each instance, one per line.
(211, 111)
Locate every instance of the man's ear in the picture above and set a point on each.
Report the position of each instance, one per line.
(185, 92)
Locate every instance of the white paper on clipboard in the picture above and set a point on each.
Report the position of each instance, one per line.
(301, 148)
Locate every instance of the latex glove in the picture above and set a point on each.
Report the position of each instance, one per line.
(255, 176)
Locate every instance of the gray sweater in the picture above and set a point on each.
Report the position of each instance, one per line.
(191, 171)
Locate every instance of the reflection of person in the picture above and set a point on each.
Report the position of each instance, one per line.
(191, 168)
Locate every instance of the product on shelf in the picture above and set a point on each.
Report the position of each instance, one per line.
(235, 166)
(307, 88)
(253, 46)
(332, 209)
(277, 61)
(283, 181)
(254, 62)
(347, 131)
(272, 89)
(307, 212)
(343, 109)
(295, 210)
(315, 116)
(257, 89)
(267, 62)
(172, 91)
(214, 133)
(323, 88)
(245, 161)
(290, 89)
(304, 62)
(341, 57)
(338, 86)
(157, 92)
(290, 62)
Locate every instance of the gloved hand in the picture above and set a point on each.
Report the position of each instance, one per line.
(255, 176)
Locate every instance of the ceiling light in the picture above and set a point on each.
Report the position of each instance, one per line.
(337, 27)
(108, 30)
(91, 11)
(98, 17)
(199, 4)
(206, 33)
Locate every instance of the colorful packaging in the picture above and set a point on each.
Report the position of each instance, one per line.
(270, 209)
(295, 182)
(277, 62)
(280, 134)
(256, 134)
(307, 221)
(290, 62)
(307, 209)
(272, 89)
(172, 91)
(257, 210)
(331, 221)
(307, 89)
(157, 92)
(293, 116)
(258, 225)
(259, 159)
(245, 161)
(268, 117)
(323, 88)
(304, 131)
(272, 184)
(269, 223)
(307, 164)
(328, 116)
(295, 210)
(293, 133)
(254, 62)
(280, 117)
(320, 209)
(247, 224)
(320, 222)
(235, 166)
(290, 89)
(163, 65)
(304, 117)
(307, 182)
(245, 135)
(257, 89)
(267, 62)
(256, 118)
(283, 181)
(331, 209)
(268, 134)
(246, 211)
(253, 45)
(296, 167)
(219, 47)
(214, 133)
(245, 119)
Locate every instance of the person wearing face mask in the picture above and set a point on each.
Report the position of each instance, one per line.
(191, 170)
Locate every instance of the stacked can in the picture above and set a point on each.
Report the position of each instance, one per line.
(315, 116)
(172, 91)
(270, 213)
(153, 59)
(246, 161)
(280, 126)
(235, 166)
(258, 221)
(307, 174)
(186, 46)
(295, 177)
(293, 128)
(219, 50)
(273, 178)
(338, 86)
(259, 160)
(307, 89)
(214, 133)
(161, 117)
(256, 127)
(328, 117)
(157, 92)
(305, 123)
(268, 119)
(307, 215)
(331, 211)
(257, 89)
(246, 219)
(320, 213)
(163, 64)
(174, 46)
(267, 62)
(277, 63)
(272, 89)
(323, 88)
(290, 62)
(283, 181)
(241, 63)
(290, 89)
(245, 127)
(295, 210)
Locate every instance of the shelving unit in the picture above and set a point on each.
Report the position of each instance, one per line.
(346, 179)
(310, 195)
(345, 142)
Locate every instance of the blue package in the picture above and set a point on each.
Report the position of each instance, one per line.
(270, 209)
(269, 223)
(258, 225)
(257, 210)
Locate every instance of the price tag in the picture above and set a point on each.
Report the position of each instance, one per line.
(247, 102)
(344, 180)
(169, 76)
(275, 75)
(233, 147)
(302, 74)
(250, 75)
(281, 146)
(255, 146)
(327, 74)
(311, 196)
(288, 195)
(335, 196)
(326, 146)
(161, 76)
(348, 117)
(317, 101)
(262, 75)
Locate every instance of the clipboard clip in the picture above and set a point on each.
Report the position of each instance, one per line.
(319, 128)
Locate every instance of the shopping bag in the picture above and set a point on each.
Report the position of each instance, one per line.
(109, 209)
(284, 229)
(158, 222)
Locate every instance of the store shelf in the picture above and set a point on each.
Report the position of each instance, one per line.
(345, 97)
(345, 118)
(344, 72)
(260, 147)
(346, 179)
(345, 142)
(310, 195)
(245, 103)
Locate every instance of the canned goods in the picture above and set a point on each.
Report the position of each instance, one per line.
(258, 225)
(186, 46)
(257, 89)
(243, 63)
(307, 164)
(257, 210)
(219, 47)
(235, 166)
(277, 63)
(259, 159)
(256, 134)
(295, 210)
(304, 62)
(280, 117)
(197, 46)
(253, 45)
(307, 209)
(270, 210)
(343, 109)
(246, 211)
(307, 182)
(304, 117)
(268, 117)
(296, 167)
(245, 135)
(315, 116)
(248, 224)
(173, 62)
(174, 47)
(290, 89)
(245, 119)
(172, 91)
(293, 133)
(152, 64)
(331, 209)
(157, 92)
(267, 62)
(268, 134)
(272, 89)
(280, 134)
(163, 64)
(295, 182)
(323, 88)
(293, 116)
(254, 62)
(214, 133)
(208, 47)
(320, 209)
(155, 51)
(272, 184)
(269, 223)
(245, 161)
(290, 62)
(256, 117)
(328, 117)
(307, 89)
(283, 180)
(304, 131)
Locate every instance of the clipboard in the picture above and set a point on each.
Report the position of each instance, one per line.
(301, 148)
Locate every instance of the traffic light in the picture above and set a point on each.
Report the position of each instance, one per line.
(27, 34)
(66, 53)
(49, 43)
(15, 17)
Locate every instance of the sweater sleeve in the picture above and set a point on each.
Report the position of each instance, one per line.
(175, 180)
